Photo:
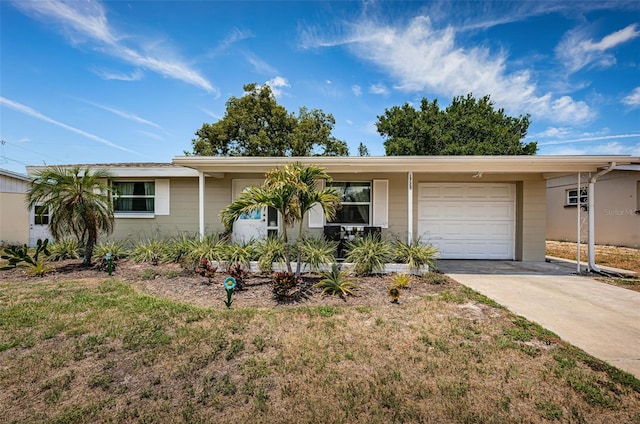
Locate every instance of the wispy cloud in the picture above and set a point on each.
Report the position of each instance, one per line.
(357, 90)
(259, 65)
(123, 114)
(611, 148)
(151, 135)
(87, 22)
(230, 40)
(589, 139)
(633, 99)
(277, 85)
(420, 57)
(135, 75)
(19, 107)
(578, 49)
(378, 89)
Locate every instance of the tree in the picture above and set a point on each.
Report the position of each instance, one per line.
(292, 191)
(363, 150)
(78, 201)
(256, 125)
(466, 127)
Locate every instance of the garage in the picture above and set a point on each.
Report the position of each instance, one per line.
(468, 220)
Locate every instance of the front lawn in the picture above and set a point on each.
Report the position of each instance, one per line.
(100, 350)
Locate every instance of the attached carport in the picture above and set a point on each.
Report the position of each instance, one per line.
(596, 317)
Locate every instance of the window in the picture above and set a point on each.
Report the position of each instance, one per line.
(572, 197)
(41, 215)
(356, 203)
(134, 197)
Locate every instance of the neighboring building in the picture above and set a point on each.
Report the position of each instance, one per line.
(470, 207)
(617, 207)
(14, 216)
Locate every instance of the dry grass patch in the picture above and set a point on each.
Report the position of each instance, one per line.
(618, 257)
(85, 353)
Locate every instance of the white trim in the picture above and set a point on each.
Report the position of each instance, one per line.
(380, 203)
(134, 215)
(409, 207)
(162, 195)
(201, 204)
(316, 217)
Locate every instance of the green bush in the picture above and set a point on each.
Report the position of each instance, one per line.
(369, 254)
(240, 253)
(152, 250)
(18, 254)
(416, 254)
(180, 248)
(268, 251)
(66, 248)
(117, 248)
(316, 251)
(210, 247)
(401, 281)
(336, 282)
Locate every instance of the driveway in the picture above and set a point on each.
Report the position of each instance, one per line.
(601, 319)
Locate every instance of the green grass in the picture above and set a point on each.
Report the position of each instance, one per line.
(103, 352)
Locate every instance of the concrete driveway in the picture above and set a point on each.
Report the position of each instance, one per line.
(601, 319)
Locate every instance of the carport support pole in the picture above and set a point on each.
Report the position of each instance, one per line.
(409, 207)
(201, 204)
(592, 216)
(578, 237)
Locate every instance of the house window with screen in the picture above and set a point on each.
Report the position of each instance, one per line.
(133, 197)
(356, 203)
(572, 197)
(41, 215)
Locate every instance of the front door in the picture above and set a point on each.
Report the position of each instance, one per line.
(38, 225)
(250, 226)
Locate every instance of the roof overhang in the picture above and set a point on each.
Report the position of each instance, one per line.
(132, 170)
(551, 165)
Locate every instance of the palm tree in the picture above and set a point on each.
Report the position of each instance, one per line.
(292, 191)
(78, 201)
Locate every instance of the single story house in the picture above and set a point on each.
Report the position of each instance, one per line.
(14, 216)
(470, 207)
(616, 213)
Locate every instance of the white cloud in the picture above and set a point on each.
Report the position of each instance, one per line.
(423, 58)
(577, 50)
(122, 114)
(357, 90)
(19, 107)
(135, 75)
(633, 99)
(611, 148)
(277, 85)
(378, 89)
(589, 138)
(87, 22)
(259, 65)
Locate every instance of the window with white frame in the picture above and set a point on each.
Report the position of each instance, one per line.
(572, 197)
(135, 197)
(356, 203)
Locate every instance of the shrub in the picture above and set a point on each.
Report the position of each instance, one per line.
(240, 274)
(151, 250)
(285, 286)
(401, 281)
(268, 251)
(66, 248)
(316, 251)
(415, 254)
(210, 247)
(241, 253)
(117, 248)
(369, 254)
(180, 248)
(336, 282)
(18, 254)
(206, 269)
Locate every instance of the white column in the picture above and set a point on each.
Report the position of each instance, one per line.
(201, 204)
(409, 207)
(578, 238)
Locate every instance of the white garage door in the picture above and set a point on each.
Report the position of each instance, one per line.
(467, 220)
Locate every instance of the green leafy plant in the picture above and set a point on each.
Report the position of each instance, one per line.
(337, 282)
(415, 254)
(285, 286)
(18, 254)
(268, 251)
(401, 280)
(151, 250)
(211, 247)
(65, 248)
(206, 269)
(180, 247)
(117, 248)
(241, 253)
(369, 254)
(316, 252)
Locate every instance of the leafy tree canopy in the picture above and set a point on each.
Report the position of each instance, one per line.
(256, 125)
(468, 126)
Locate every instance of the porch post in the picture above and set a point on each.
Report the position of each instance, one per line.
(578, 237)
(409, 207)
(201, 204)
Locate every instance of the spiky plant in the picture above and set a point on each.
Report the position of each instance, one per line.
(268, 251)
(369, 254)
(117, 248)
(210, 247)
(415, 254)
(239, 253)
(65, 248)
(316, 252)
(401, 280)
(152, 250)
(337, 282)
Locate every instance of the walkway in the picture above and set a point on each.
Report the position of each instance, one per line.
(601, 319)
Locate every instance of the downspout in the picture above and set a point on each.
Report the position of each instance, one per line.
(592, 216)
(409, 208)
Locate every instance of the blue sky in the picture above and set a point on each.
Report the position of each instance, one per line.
(131, 81)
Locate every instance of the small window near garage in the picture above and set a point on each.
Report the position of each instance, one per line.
(356, 203)
(41, 215)
(134, 197)
(572, 197)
